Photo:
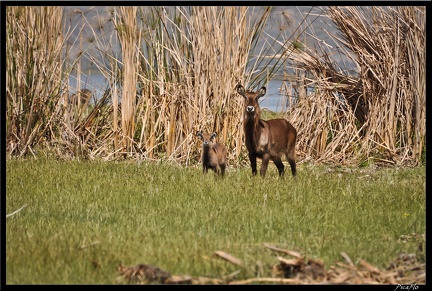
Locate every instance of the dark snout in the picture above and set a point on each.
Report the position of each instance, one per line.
(250, 109)
(206, 143)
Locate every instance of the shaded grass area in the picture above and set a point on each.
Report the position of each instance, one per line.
(83, 218)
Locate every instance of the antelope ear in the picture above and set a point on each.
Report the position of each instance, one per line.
(240, 89)
(262, 91)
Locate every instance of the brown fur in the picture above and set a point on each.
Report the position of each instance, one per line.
(214, 154)
(267, 140)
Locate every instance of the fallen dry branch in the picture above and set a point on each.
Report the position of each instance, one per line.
(288, 252)
(369, 267)
(190, 280)
(350, 267)
(266, 280)
(347, 258)
(229, 258)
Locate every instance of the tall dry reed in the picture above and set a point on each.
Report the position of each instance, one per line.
(34, 43)
(126, 27)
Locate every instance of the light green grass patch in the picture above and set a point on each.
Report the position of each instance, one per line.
(84, 218)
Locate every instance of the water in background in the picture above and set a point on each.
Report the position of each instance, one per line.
(97, 83)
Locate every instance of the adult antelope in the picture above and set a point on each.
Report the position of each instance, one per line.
(214, 154)
(266, 139)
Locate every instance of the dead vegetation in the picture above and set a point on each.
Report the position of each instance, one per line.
(178, 70)
(349, 118)
(406, 269)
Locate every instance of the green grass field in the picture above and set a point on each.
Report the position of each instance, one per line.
(84, 218)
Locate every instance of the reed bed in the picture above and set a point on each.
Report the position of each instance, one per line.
(391, 54)
(33, 76)
(370, 117)
(171, 71)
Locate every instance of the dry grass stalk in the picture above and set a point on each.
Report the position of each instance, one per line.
(32, 75)
(126, 27)
(16, 211)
